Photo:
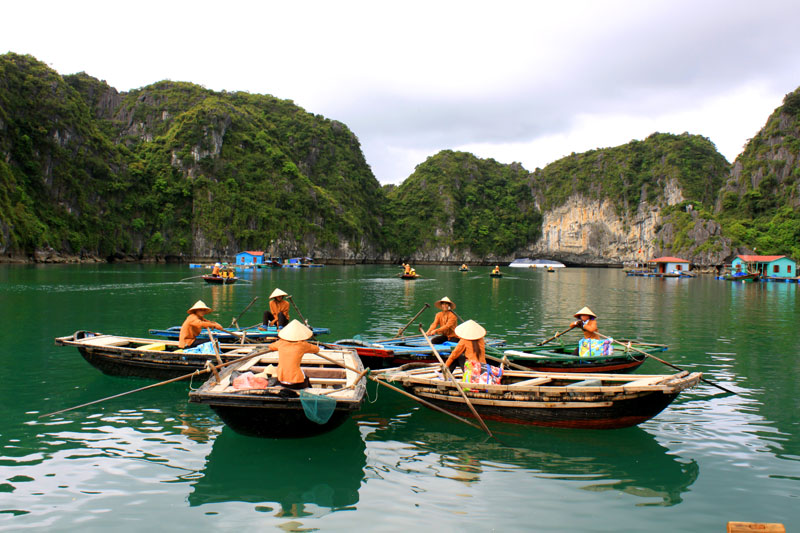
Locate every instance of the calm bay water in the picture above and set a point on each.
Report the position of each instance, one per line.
(151, 459)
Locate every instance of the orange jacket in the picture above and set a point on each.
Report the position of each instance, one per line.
(215, 271)
(589, 329)
(474, 351)
(444, 323)
(290, 354)
(192, 327)
(276, 307)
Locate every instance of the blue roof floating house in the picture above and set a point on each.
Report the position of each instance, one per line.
(249, 258)
(769, 266)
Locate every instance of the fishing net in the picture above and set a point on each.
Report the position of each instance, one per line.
(317, 408)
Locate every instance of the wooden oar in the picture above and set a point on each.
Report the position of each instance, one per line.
(456, 383)
(208, 368)
(194, 277)
(557, 335)
(401, 330)
(401, 391)
(236, 320)
(666, 363)
(298, 310)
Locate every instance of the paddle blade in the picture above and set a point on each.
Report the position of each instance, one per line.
(318, 409)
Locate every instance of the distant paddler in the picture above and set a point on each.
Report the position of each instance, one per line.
(444, 323)
(278, 312)
(215, 270)
(291, 347)
(407, 270)
(194, 324)
(496, 269)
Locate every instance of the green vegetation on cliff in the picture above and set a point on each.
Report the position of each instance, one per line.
(636, 172)
(759, 206)
(458, 201)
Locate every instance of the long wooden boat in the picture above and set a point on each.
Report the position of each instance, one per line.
(395, 352)
(409, 276)
(743, 277)
(219, 280)
(116, 355)
(562, 400)
(277, 412)
(252, 333)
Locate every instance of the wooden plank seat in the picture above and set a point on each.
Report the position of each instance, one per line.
(531, 382)
(106, 341)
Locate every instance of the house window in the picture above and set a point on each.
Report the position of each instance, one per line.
(776, 269)
(678, 267)
(788, 269)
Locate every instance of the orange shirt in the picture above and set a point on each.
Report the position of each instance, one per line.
(290, 354)
(192, 327)
(215, 271)
(590, 329)
(474, 351)
(276, 307)
(444, 323)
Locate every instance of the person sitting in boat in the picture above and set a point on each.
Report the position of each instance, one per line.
(444, 323)
(215, 270)
(471, 346)
(407, 270)
(496, 269)
(464, 266)
(278, 312)
(291, 346)
(194, 324)
(587, 321)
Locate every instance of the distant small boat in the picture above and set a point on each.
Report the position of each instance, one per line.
(219, 280)
(463, 269)
(495, 274)
(409, 276)
(742, 277)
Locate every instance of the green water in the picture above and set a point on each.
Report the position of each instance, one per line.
(153, 460)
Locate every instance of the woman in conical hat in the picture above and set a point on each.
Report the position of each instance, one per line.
(290, 347)
(587, 321)
(444, 324)
(471, 346)
(278, 312)
(194, 324)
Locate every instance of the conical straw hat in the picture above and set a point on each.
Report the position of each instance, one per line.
(199, 305)
(276, 293)
(295, 331)
(445, 300)
(585, 311)
(470, 331)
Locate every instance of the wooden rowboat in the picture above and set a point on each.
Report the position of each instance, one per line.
(561, 358)
(495, 275)
(409, 276)
(145, 358)
(743, 277)
(278, 412)
(219, 280)
(563, 400)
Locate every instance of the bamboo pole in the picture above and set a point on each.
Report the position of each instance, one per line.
(401, 330)
(456, 383)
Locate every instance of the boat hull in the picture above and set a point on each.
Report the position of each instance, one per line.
(268, 334)
(216, 280)
(276, 420)
(602, 415)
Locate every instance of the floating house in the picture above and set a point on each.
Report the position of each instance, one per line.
(768, 266)
(249, 258)
(670, 265)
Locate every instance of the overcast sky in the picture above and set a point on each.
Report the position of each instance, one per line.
(528, 81)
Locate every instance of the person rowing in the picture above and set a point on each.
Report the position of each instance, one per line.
(291, 346)
(444, 323)
(278, 312)
(471, 346)
(591, 344)
(194, 324)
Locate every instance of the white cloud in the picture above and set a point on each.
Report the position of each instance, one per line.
(517, 81)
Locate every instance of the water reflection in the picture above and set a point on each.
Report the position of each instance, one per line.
(629, 461)
(290, 477)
